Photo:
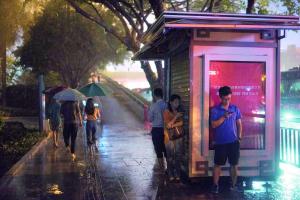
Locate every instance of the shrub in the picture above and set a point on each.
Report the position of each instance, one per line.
(23, 96)
(15, 142)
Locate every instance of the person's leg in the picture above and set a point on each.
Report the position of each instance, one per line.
(170, 159)
(55, 137)
(161, 147)
(216, 174)
(66, 134)
(219, 160)
(74, 130)
(233, 174)
(94, 130)
(155, 140)
(157, 146)
(88, 132)
(178, 155)
(233, 158)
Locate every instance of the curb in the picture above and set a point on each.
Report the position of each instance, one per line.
(4, 181)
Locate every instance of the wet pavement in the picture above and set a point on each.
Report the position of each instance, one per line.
(120, 166)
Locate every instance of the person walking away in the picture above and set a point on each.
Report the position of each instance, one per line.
(72, 118)
(53, 113)
(173, 120)
(92, 114)
(155, 116)
(226, 121)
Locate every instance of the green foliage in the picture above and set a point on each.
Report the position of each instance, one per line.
(72, 47)
(230, 6)
(23, 96)
(10, 18)
(17, 112)
(15, 141)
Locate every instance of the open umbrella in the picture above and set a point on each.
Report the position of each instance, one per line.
(92, 90)
(69, 95)
(53, 90)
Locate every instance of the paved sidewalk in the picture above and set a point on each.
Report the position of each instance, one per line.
(120, 166)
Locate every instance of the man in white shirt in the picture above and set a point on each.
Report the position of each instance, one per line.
(157, 132)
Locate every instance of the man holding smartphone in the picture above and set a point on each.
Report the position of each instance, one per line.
(225, 119)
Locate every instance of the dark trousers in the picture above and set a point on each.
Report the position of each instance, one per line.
(91, 126)
(158, 141)
(70, 131)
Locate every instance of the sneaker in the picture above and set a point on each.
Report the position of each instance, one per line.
(73, 156)
(177, 178)
(215, 189)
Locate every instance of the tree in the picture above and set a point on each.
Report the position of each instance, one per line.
(62, 41)
(134, 18)
(9, 25)
(15, 16)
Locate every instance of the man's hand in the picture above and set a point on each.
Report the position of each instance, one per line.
(228, 114)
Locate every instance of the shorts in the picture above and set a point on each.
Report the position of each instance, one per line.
(54, 126)
(230, 151)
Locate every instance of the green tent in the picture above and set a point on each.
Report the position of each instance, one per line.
(92, 90)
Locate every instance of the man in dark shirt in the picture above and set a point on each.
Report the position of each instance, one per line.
(72, 118)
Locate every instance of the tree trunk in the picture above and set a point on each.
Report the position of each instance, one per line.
(250, 6)
(3, 67)
(150, 75)
(160, 72)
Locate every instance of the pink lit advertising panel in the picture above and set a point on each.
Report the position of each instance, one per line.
(247, 81)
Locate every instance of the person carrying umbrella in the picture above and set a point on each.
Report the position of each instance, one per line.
(92, 114)
(53, 114)
(71, 116)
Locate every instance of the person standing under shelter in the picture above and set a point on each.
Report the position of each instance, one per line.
(72, 118)
(155, 116)
(173, 118)
(225, 119)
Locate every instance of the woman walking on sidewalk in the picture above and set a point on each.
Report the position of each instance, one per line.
(173, 136)
(72, 118)
(54, 119)
(92, 114)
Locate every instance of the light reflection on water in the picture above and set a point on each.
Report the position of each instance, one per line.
(54, 189)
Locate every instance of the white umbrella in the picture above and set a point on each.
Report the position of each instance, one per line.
(69, 95)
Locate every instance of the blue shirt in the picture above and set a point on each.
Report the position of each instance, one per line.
(155, 113)
(227, 131)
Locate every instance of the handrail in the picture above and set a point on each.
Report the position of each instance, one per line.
(136, 98)
(139, 99)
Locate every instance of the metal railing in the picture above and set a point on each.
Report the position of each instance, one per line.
(290, 143)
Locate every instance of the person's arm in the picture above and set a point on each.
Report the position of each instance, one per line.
(98, 113)
(178, 124)
(239, 128)
(79, 114)
(151, 114)
(219, 122)
(174, 122)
